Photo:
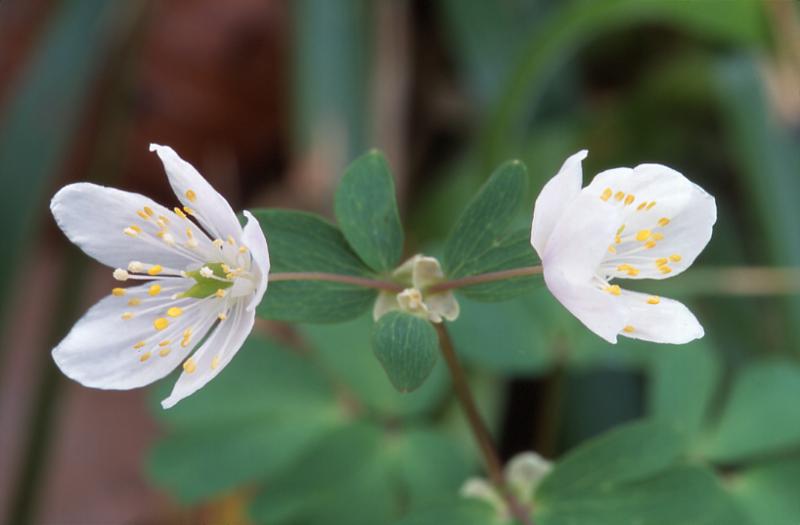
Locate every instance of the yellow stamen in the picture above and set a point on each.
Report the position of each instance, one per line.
(612, 248)
(189, 211)
(164, 352)
(220, 292)
(163, 220)
(222, 316)
(179, 213)
(650, 206)
(165, 342)
(629, 199)
(619, 195)
(663, 221)
(617, 239)
(606, 194)
(621, 229)
(175, 311)
(160, 323)
(139, 345)
(130, 232)
(191, 195)
(653, 299)
(127, 316)
(641, 206)
(614, 289)
(231, 240)
(218, 243)
(189, 234)
(215, 362)
(628, 329)
(134, 301)
(657, 236)
(649, 245)
(155, 270)
(664, 269)
(242, 249)
(118, 292)
(154, 290)
(661, 261)
(149, 211)
(675, 257)
(189, 366)
(643, 235)
(144, 357)
(633, 272)
(142, 214)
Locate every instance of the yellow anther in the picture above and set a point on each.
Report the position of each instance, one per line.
(650, 206)
(179, 213)
(619, 195)
(164, 352)
(130, 232)
(165, 342)
(242, 249)
(189, 211)
(222, 316)
(675, 257)
(144, 357)
(649, 245)
(160, 323)
(614, 289)
(139, 345)
(149, 211)
(231, 240)
(134, 301)
(628, 329)
(653, 299)
(664, 269)
(189, 366)
(155, 270)
(643, 235)
(218, 243)
(657, 236)
(661, 261)
(175, 311)
(612, 248)
(135, 228)
(142, 214)
(154, 290)
(127, 316)
(617, 239)
(191, 195)
(641, 206)
(215, 362)
(118, 292)
(621, 229)
(624, 267)
(185, 342)
(629, 199)
(633, 272)
(220, 292)
(606, 194)
(663, 221)
(163, 220)
(189, 234)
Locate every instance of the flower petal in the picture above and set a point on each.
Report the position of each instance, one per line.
(581, 238)
(212, 210)
(668, 220)
(95, 218)
(553, 199)
(600, 312)
(214, 354)
(101, 349)
(253, 238)
(659, 319)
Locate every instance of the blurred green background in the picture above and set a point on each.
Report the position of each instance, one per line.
(270, 99)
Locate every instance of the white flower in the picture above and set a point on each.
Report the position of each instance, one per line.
(419, 272)
(649, 222)
(201, 283)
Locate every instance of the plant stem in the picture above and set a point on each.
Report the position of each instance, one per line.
(396, 287)
(502, 275)
(478, 427)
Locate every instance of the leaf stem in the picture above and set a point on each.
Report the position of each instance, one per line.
(390, 286)
(478, 427)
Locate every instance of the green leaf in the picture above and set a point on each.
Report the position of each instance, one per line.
(366, 210)
(303, 242)
(761, 414)
(262, 413)
(345, 349)
(625, 454)
(407, 347)
(677, 496)
(768, 492)
(683, 381)
(455, 512)
(473, 246)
